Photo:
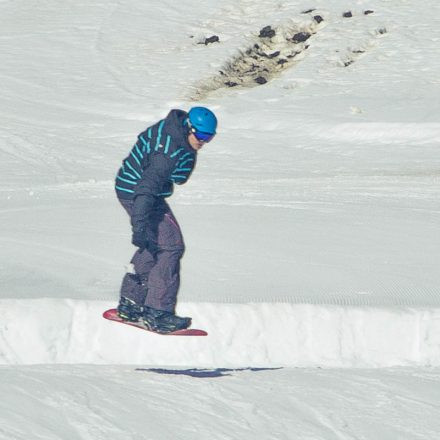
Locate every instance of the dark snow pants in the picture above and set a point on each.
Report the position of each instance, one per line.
(156, 278)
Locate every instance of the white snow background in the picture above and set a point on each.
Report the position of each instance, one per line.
(311, 222)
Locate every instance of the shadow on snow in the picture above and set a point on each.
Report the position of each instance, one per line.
(197, 372)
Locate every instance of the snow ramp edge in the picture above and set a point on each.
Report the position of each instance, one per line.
(47, 331)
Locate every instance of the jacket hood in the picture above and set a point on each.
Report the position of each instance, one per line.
(177, 126)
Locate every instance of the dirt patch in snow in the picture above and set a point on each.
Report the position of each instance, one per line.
(273, 50)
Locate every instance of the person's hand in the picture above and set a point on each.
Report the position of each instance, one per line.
(140, 240)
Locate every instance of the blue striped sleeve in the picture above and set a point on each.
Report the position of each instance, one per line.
(159, 134)
(177, 152)
(124, 189)
(141, 156)
(131, 182)
(167, 145)
(132, 169)
(146, 145)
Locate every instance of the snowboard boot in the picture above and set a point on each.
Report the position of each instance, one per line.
(163, 322)
(128, 310)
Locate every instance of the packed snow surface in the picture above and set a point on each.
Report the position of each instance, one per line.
(311, 222)
(322, 185)
(258, 334)
(118, 402)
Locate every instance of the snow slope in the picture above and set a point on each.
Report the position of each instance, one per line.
(321, 187)
(311, 222)
(80, 402)
(320, 173)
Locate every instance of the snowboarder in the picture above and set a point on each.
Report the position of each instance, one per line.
(164, 154)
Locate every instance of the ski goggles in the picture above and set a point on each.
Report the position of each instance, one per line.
(201, 136)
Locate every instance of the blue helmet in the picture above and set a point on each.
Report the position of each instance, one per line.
(203, 119)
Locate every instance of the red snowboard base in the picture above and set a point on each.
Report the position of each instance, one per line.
(112, 315)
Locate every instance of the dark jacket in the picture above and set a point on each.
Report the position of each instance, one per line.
(161, 157)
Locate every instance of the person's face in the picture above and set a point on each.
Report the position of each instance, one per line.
(194, 142)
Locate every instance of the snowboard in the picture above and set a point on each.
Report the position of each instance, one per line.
(112, 315)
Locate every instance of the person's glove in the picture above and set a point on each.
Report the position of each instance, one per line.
(140, 240)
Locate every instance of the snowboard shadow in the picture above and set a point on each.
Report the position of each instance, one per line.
(201, 372)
